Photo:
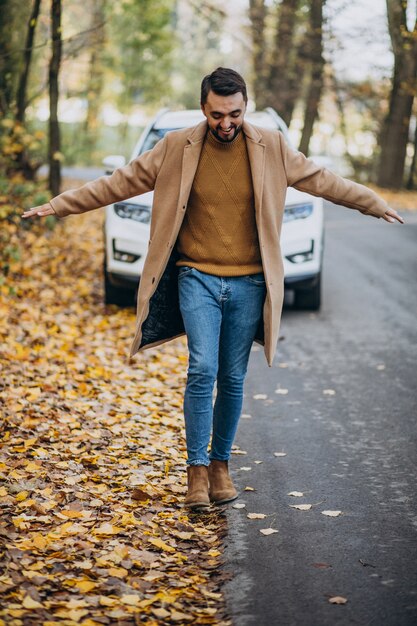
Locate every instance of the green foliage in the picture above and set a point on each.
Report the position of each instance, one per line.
(143, 39)
(13, 19)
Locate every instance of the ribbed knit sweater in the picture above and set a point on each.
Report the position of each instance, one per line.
(219, 235)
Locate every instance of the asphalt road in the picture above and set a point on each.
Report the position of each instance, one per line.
(351, 449)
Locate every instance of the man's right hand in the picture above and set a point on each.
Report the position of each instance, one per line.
(42, 210)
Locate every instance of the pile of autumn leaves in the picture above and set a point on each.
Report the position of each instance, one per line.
(93, 460)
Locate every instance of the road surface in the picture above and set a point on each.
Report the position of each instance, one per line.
(347, 424)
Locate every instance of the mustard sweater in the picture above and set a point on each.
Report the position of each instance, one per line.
(218, 235)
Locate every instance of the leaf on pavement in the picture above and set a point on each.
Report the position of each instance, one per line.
(268, 531)
(337, 600)
(301, 507)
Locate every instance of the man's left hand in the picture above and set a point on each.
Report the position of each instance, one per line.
(391, 215)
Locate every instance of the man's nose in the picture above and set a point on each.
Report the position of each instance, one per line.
(225, 123)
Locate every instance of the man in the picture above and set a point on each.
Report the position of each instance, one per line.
(214, 269)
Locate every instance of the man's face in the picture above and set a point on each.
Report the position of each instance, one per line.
(224, 115)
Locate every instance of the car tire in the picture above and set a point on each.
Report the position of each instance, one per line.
(116, 295)
(309, 299)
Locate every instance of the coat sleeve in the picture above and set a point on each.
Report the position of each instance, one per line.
(137, 177)
(305, 175)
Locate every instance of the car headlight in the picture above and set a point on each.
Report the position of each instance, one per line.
(137, 212)
(298, 211)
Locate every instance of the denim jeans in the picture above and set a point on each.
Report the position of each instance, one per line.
(221, 316)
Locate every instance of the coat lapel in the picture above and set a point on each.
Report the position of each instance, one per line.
(190, 160)
(256, 153)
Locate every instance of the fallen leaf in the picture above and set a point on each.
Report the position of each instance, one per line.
(130, 599)
(239, 505)
(161, 613)
(331, 513)
(140, 495)
(260, 396)
(249, 489)
(256, 515)
(296, 494)
(29, 603)
(245, 469)
(301, 507)
(280, 454)
(85, 585)
(281, 391)
(158, 543)
(268, 531)
(329, 392)
(337, 600)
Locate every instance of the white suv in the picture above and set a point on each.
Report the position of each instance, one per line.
(127, 223)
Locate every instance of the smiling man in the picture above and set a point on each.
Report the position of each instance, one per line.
(214, 269)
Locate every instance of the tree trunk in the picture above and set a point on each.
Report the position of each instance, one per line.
(283, 82)
(21, 100)
(412, 176)
(394, 135)
(7, 58)
(257, 15)
(54, 154)
(316, 73)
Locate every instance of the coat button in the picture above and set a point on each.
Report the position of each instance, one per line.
(153, 280)
(184, 207)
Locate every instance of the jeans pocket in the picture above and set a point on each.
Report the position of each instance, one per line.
(183, 270)
(256, 279)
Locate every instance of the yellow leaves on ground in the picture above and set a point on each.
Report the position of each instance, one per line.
(92, 464)
(158, 543)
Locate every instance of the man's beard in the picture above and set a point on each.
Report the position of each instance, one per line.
(226, 139)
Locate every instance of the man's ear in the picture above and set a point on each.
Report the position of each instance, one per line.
(202, 108)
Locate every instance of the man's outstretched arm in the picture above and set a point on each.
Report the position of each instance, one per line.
(137, 177)
(305, 175)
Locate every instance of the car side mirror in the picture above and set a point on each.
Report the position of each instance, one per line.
(112, 162)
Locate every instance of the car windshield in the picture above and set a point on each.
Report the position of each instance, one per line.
(153, 137)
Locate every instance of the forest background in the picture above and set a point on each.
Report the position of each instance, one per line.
(80, 80)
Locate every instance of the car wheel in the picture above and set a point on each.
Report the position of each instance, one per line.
(309, 299)
(116, 295)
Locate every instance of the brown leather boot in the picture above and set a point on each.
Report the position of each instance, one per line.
(222, 489)
(197, 495)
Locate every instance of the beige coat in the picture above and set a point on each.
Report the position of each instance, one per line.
(169, 169)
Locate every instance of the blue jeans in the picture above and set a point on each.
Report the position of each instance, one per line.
(221, 316)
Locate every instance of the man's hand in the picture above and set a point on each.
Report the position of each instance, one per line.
(391, 215)
(44, 209)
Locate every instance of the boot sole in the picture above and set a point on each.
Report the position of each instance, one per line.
(225, 500)
(197, 505)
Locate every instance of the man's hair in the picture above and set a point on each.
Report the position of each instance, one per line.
(223, 82)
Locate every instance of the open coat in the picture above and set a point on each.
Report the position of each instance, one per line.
(169, 169)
